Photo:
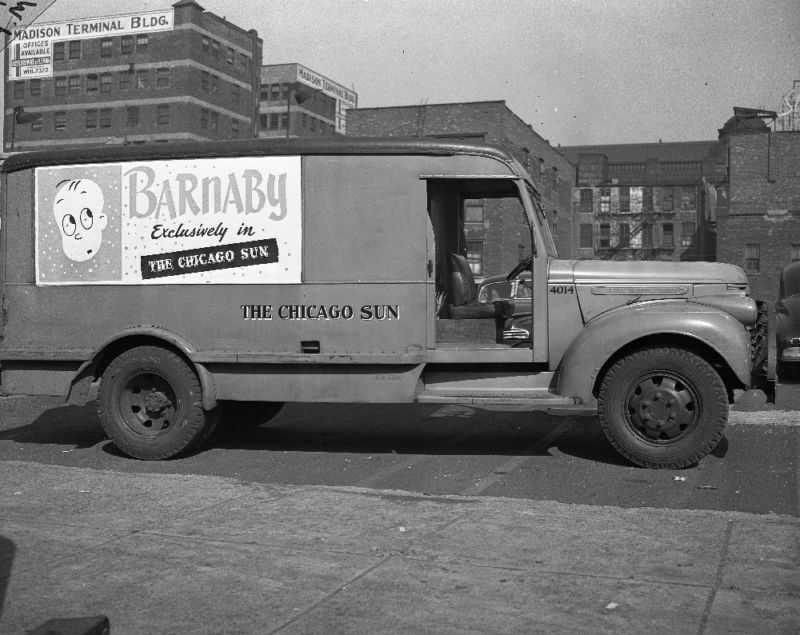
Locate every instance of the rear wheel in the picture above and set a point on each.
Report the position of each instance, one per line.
(663, 407)
(150, 404)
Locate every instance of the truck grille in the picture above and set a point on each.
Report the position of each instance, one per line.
(759, 341)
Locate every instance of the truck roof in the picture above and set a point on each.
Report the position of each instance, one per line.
(250, 147)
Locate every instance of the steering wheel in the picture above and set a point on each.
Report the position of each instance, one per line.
(526, 264)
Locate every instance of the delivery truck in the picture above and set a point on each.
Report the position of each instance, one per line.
(173, 283)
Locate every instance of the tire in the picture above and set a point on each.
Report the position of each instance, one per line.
(663, 407)
(150, 405)
(249, 414)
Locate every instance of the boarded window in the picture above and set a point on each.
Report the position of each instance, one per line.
(587, 201)
(586, 236)
(473, 210)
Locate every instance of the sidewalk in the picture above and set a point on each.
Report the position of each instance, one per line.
(190, 554)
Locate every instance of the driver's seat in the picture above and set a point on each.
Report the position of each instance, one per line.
(464, 293)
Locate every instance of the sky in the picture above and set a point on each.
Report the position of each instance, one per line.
(579, 71)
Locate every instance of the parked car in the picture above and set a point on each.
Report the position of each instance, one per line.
(516, 329)
(787, 322)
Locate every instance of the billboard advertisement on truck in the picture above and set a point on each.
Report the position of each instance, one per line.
(175, 284)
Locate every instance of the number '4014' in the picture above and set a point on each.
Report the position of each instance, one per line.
(562, 288)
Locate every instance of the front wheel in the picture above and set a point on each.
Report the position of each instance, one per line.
(150, 404)
(663, 407)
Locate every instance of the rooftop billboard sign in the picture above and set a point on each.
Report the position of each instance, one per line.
(32, 47)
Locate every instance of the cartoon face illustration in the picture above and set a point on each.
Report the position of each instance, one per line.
(78, 211)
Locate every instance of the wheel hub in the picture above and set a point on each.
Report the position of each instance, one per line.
(661, 407)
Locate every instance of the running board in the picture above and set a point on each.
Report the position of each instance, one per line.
(541, 398)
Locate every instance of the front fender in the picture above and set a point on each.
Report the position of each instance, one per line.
(610, 332)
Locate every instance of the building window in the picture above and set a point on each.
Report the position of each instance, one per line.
(162, 77)
(263, 121)
(105, 83)
(586, 239)
(59, 54)
(203, 119)
(473, 210)
(92, 82)
(60, 120)
(19, 90)
(206, 44)
(60, 86)
(624, 235)
(475, 256)
(752, 257)
(230, 56)
(689, 198)
(162, 115)
(647, 200)
(244, 61)
(312, 123)
(36, 87)
(74, 49)
(125, 80)
(667, 200)
(274, 121)
(284, 121)
(36, 124)
(133, 117)
(526, 159)
(647, 236)
(285, 90)
(275, 92)
(587, 201)
(214, 84)
(687, 234)
(213, 121)
(105, 118)
(554, 183)
(142, 40)
(74, 84)
(234, 128)
(605, 200)
(667, 235)
(264, 96)
(624, 200)
(215, 49)
(205, 80)
(795, 254)
(91, 118)
(126, 45)
(106, 47)
(235, 93)
(142, 79)
(540, 169)
(605, 236)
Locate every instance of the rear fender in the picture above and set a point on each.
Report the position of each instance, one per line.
(612, 331)
(84, 385)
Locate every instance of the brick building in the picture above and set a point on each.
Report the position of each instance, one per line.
(178, 74)
(495, 239)
(758, 211)
(645, 201)
(295, 101)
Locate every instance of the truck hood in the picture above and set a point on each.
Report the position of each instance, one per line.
(650, 272)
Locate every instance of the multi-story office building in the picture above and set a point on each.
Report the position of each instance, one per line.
(182, 73)
(494, 240)
(298, 102)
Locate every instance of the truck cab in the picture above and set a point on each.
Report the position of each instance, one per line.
(170, 283)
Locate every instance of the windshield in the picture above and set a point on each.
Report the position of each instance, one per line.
(547, 237)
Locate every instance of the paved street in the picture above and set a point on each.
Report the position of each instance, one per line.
(352, 518)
